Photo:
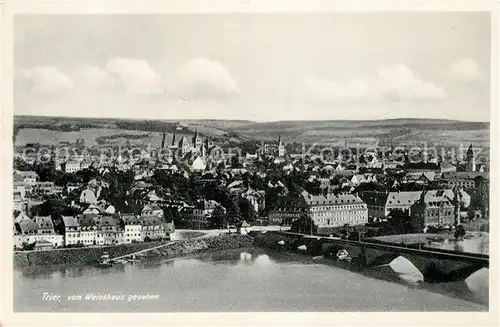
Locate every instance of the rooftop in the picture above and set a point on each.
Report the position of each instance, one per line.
(403, 198)
(331, 199)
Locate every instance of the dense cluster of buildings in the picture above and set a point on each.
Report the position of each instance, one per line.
(56, 231)
(331, 193)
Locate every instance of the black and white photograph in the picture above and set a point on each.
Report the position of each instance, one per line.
(251, 162)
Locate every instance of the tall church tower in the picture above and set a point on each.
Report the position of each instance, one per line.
(281, 147)
(470, 160)
(163, 140)
(197, 142)
(205, 147)
(173, 140)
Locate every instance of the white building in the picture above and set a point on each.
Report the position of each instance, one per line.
(152, 228)
(88, 196)
(28, 178)
(363, 178)
(72, 166)
(45, 231)
(92, 209)
(120, 236)
(71, 230)
(29, 231)
(20, 189)
(336, 210)
(110, 209)
(152, 210)
(198, 164)
(88, 229)
(133, 229)
(88, 235)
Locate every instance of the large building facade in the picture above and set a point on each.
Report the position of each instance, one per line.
(336, 210)
(328, 211)
(435, 208)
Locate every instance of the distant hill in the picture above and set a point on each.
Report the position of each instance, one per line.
(397, 131)
(386, 131)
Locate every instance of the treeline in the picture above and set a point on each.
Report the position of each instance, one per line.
(52, 127)
(147, 125)
(104, 139)
(57, 127)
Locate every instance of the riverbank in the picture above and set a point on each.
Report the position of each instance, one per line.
(92, 255)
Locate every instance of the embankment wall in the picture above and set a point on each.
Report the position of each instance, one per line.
(92, 255)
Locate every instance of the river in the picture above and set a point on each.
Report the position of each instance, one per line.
(241, 280)
(476, 242)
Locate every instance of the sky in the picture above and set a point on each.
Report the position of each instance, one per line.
(261, 67)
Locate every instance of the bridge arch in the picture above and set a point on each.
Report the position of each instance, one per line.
(478, 284)
(442, 270)
(433, 268)
(406, 270)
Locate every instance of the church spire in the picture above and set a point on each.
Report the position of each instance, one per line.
(281, 147)
(163, 140)
(470, 161)
(470, 153)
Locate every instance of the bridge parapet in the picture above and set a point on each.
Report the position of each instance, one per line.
(434, 264)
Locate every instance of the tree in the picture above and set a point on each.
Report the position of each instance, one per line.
(46, 171)
(51, 207)
(87, 174)
(218, 218)
(232, 208)
(235, 162)
(173, 214)
(28, 246)
(21, 164)
(480, 196)
(313, 187)
(400, 221)
(304, 225)
(459, 232)
(247, 210)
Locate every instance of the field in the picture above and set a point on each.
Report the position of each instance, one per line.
(446, 133)
(399, 132)
(92, 137)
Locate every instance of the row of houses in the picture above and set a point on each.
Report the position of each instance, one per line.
(89, 230)
(438, 206)
(466, 180)
(426, 208)
(27, 182)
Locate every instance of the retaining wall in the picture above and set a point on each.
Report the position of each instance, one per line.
(92, 255)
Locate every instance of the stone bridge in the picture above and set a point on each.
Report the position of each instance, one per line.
(436, 265)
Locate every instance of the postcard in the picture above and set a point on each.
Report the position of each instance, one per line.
(249, 163)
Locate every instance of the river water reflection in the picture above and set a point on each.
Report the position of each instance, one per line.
(476, 242)
(250, 280)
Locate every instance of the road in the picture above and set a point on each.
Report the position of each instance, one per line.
(192, 233)
(138, 252)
